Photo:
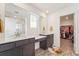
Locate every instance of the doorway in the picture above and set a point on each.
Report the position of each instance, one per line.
(67, 33)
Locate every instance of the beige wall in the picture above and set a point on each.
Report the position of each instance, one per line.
(64, 21)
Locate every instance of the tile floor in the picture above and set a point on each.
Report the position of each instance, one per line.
(66, 46)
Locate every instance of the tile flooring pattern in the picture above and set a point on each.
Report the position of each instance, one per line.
(66, 46)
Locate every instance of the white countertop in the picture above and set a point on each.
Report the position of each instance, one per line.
(12, 39)
(7, 40)
(39, 37)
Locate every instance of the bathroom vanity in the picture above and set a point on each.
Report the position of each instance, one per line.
(45, 40)
(18, 47)
(22, 46)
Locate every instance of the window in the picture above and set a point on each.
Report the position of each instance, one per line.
(33, 21)
(10, 26)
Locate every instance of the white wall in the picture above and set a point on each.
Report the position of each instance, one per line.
(54, 20)
(43, 23)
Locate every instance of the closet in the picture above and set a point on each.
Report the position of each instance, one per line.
(64, 29)
(67, 27)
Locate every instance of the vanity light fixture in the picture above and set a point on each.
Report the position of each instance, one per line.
(43, 28)
(51, 28)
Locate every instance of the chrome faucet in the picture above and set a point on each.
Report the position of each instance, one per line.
(17, 33)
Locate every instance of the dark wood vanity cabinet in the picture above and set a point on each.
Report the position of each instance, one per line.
(11, 52)
(8, 49)
(43, 44)
(24, 47)
(48, 42)
(28, 50)
(19, 51)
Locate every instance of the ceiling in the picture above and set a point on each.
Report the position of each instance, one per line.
(14, 11)
(51, 7)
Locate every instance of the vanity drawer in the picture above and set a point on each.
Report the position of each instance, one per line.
(32, 40)
(25, 41)
(7, 46)
(21, 42)
(41, 39)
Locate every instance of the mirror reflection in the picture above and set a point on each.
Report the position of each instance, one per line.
(14, 21)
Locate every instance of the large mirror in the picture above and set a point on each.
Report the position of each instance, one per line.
(14, 20)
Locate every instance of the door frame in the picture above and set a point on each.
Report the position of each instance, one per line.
(74, 21)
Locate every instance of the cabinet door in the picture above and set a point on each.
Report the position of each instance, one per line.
(43, 44)
(29, 50)
(11, 52)
(19, 51)
(50, 40)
